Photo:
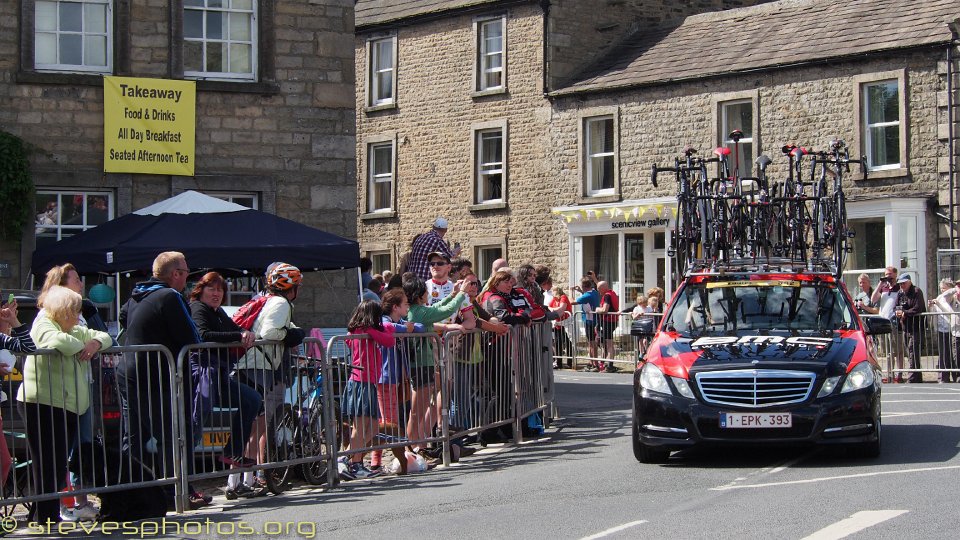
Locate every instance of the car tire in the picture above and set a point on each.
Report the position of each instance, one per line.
(868, 450)
(644, 452)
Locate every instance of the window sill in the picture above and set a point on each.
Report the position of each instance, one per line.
(240, 87)
(487, 206)
(598, 199)
(373, 216)
(45, 77)
(491, 92)
(378, 108)
(900, 172)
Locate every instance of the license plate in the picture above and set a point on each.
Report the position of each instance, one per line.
(214, 439)
(754, 420)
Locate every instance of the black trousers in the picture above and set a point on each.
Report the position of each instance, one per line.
(147, 414)
(49, 430)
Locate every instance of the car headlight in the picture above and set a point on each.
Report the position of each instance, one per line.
(682, 387)
(861, 376)
(652, 379)
(828, 387)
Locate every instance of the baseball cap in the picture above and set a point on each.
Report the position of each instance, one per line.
(440, 254)
(904, 278)
(440, 223)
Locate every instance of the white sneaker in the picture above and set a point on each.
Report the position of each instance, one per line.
(87, 512)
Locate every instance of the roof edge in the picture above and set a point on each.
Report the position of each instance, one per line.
(438, 14)
(571, 91)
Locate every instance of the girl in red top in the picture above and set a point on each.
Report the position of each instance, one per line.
(359, 405)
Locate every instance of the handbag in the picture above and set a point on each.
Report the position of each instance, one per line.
(645, 326)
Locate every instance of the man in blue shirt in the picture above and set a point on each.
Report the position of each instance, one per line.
(590, 300)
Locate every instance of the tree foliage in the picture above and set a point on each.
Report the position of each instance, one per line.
(16, 187)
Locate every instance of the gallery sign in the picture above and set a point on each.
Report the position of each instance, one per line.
(149, 125)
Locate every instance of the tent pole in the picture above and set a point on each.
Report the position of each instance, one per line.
(116, 288)
(360, 285)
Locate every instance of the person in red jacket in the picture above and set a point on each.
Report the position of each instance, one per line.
(609, 319)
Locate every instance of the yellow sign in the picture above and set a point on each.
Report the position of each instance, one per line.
(149, 125)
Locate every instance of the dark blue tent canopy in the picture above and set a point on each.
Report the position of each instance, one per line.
(238, 238)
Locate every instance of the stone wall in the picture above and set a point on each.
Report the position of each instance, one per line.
(289, 139)
(432, 126)
(805, 106)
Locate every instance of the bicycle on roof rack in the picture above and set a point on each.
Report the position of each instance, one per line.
(738, 222)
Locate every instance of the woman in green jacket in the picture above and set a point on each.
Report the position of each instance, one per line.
(423, 370)
(56, 390)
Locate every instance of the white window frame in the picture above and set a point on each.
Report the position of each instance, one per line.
(61, 194)
(374, 75)
(861, 140)
(373, 179)
(484, 170)
(233, 196)
(588, 156)
(484, 55)
(867, 126)
(746, 165)
(108, 33)
(205, 42)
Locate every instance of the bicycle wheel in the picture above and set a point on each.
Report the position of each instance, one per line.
(841, 233)
(281, 447)
(314, 444)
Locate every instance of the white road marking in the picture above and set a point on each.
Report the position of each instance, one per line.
(898, 414)
(854, 523)
(618, 528)
(790, 463)
(888, 401)
(829, 478)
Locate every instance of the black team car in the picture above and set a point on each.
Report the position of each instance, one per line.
(760, 344)
(757, 358)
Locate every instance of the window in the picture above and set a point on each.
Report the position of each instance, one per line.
(382, 81)
(881, 115)
(600, 155)
(490, 54)
(73, 35)
(381, 262)
(380, 177)
(60, 214)
(250, 200)
(220, 39)
(490, 168)
(738, 115)
(485, 257)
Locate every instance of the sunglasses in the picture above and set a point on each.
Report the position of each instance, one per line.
(438, 263)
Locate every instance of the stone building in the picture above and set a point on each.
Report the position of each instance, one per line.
(533, 126)
(275, 125)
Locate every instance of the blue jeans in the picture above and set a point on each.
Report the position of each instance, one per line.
(235, 394)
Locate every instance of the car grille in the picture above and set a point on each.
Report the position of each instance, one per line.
(755, 387)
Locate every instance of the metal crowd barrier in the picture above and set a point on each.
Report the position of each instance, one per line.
(167, 424)
(121, 438)
(609, 340)
(930, 346)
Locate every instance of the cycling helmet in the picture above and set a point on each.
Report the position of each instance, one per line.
(284, 277)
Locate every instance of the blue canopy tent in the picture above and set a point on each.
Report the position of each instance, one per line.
(211, 233)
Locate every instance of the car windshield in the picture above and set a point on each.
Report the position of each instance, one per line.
(720, 307)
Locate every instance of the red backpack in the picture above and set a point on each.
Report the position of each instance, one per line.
(248, 313)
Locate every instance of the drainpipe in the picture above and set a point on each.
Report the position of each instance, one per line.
(951, 136)
(545, 6)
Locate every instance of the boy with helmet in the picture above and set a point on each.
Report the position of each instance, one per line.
(263, 366)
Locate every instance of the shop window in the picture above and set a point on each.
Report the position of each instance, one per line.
(60, 214)
(491, 54)
(220, 39)
(867, 244)
(381, 76)
(73, 35)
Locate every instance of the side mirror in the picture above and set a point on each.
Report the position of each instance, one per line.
(875, 325)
